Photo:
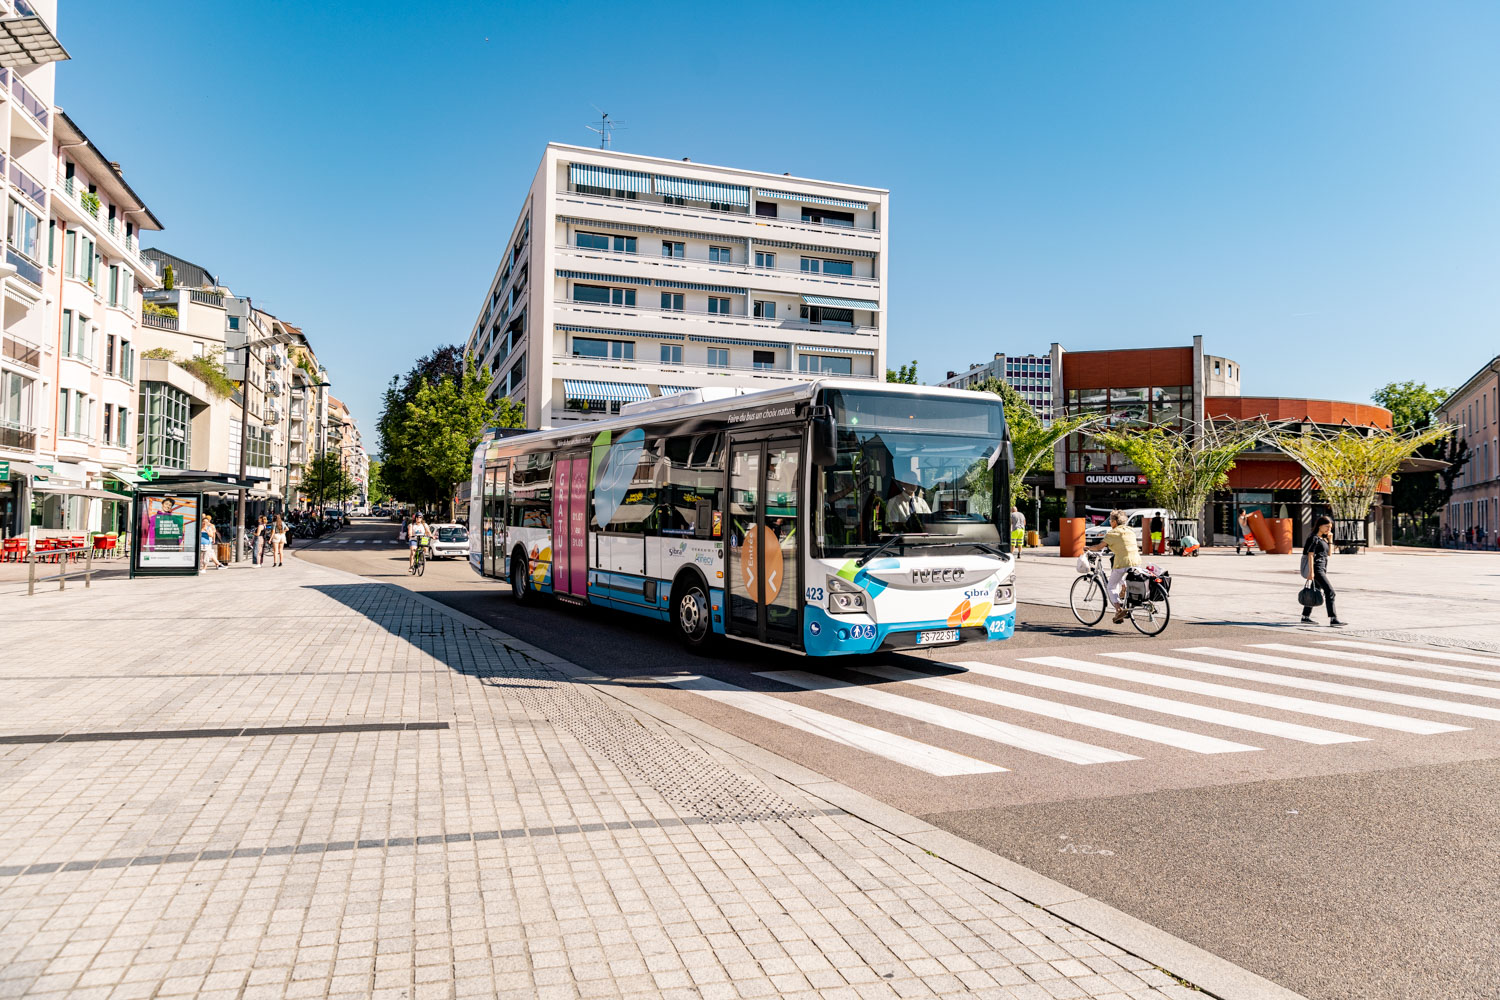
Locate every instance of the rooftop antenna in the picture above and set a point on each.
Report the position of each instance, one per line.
(605, 128)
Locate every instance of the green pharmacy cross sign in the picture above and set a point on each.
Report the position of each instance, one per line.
(149, 474)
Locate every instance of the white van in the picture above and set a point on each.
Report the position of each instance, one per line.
(1137, 516)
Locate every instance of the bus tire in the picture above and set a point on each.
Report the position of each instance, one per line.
(692, 612)
(521, 587)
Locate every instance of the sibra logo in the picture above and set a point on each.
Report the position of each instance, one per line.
(982, 592)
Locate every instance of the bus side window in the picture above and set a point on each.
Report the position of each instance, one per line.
(689, 482)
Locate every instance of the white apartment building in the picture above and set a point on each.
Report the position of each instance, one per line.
(627, 277)
(1028, 374)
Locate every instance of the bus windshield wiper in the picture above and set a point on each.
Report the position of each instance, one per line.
(897, 539)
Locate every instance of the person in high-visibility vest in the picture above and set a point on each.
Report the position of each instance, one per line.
(1017, 530)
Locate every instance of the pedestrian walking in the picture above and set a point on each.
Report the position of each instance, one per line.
(1156, 529)
(278, 540)
(1315, 567)
(258, 541)
(1017, 530)
(1127, 552)
(1247, 537)
(208, 537)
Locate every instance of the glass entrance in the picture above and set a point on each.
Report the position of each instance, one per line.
(492, 537)
(764, 562)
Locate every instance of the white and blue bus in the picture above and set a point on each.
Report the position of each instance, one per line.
(829, 517)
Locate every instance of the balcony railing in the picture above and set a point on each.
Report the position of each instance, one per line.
(738, 270)
(18, 437)
(159, 321)
(653, 205)
(206, 298)
(22, 352)
(34, 105)
(738, 319)
(28, 185)
(646, 370)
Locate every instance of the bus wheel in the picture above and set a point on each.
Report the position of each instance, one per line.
(520, 581)
(692, 614)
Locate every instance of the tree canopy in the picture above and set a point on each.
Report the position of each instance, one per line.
(1184, 467)
(1413, 405)
(324, 478)
(1350, 464)
(906, 374)
(1418, 496)
(431, 423)
(1031, 441)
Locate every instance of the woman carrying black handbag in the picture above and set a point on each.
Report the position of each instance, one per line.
(1315, 571)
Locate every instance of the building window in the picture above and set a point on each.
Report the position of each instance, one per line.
(718, 305)
(825, 217)
(70, 253)
(811, 264)
(591, 293)
(825, 316)
(109, 423)
(764, 359)
(671, 301)
(765, 209)
(164, 427)
(67, 332)
(622, 297)
(671, 354)
(765, 310)
(671, 249)
(841, 267)
(592, 347)
(25, 233)
(718, 357)
(593, 241)
(109, 356)
(763, 259)
(51, 242)
(825, 364)
(719, 255)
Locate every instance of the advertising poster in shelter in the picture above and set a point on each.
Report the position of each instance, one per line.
(166, 533)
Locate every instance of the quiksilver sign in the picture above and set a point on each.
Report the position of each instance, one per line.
(1113, 479)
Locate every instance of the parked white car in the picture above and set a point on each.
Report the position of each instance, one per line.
(449, 540)
(1094, 533)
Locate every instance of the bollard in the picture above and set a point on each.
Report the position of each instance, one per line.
(88, 568)
(31, 574)
(62, 570)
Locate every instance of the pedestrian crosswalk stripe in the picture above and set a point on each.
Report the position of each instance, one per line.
(343, 541)
(1286, 703)
(933, 760)
(1149, 731)
(1325, 687)
(1385, 676)
(1150, 702)
(1406, 651)
(1060, 747)
(1388, 661)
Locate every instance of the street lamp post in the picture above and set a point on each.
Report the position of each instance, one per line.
(322, 446)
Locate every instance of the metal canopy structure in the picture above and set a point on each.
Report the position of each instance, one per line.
(28, 41)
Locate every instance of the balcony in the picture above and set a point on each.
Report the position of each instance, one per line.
(17, 437)
(21, 352)
(642, 211)
(33, 105)
(781, 277)
(206, 298)
(676, 373)
(159, 321)
(595, 313)
(31, 188)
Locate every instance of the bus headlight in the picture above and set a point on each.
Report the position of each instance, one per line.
(844, 598)
(1005, 593)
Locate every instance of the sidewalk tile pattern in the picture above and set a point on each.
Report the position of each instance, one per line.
(547, 843)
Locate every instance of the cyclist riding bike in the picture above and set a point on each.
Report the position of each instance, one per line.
(416, 536)
(1127, 552)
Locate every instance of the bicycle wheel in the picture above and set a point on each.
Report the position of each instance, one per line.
(1151, 617)
(421, 562)
(1086, 598)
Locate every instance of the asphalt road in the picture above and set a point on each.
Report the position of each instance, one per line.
(1340, 857)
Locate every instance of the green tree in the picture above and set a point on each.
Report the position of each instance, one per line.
(431, 425)
(1184, 467)
(1418, 496)
(1032, 442)
(324, 477)
(906, 374)
(379, 494)
(169, 278)
(1351, 463)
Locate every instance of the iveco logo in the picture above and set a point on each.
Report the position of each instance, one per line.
(948, 575)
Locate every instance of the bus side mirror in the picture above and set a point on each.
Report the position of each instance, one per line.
(825, 438)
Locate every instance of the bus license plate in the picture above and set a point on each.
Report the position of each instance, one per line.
(937, 636)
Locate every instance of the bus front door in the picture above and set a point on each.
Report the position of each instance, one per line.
(764, 569)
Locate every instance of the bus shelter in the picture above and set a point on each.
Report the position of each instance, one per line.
(167, 525)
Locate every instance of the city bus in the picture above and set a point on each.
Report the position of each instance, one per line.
(832, 517)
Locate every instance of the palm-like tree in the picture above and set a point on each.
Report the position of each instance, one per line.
(1031, 441)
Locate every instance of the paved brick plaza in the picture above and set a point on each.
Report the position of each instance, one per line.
(292, 783)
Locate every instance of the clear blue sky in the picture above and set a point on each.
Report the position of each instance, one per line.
(1313, 187)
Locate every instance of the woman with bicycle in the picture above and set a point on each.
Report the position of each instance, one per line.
(1127, 552)
(416, 536)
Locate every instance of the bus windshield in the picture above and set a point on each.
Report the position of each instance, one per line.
(922, 468)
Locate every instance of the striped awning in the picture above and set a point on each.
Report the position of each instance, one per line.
(672, 390)
(722, 289)
(809, 349)
(810, 248)
(834, 302)
(604, 392)
(602, 332)
(811, 199)
(609, 177)
(732, 340)
(631, 227)
(618, 279)
(682, 187)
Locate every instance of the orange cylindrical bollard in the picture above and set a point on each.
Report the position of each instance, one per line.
(1071, 545)
(1281, 535)
(1261, 529)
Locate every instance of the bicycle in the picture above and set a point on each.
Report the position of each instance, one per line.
(419, 564)
(1089, 599)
